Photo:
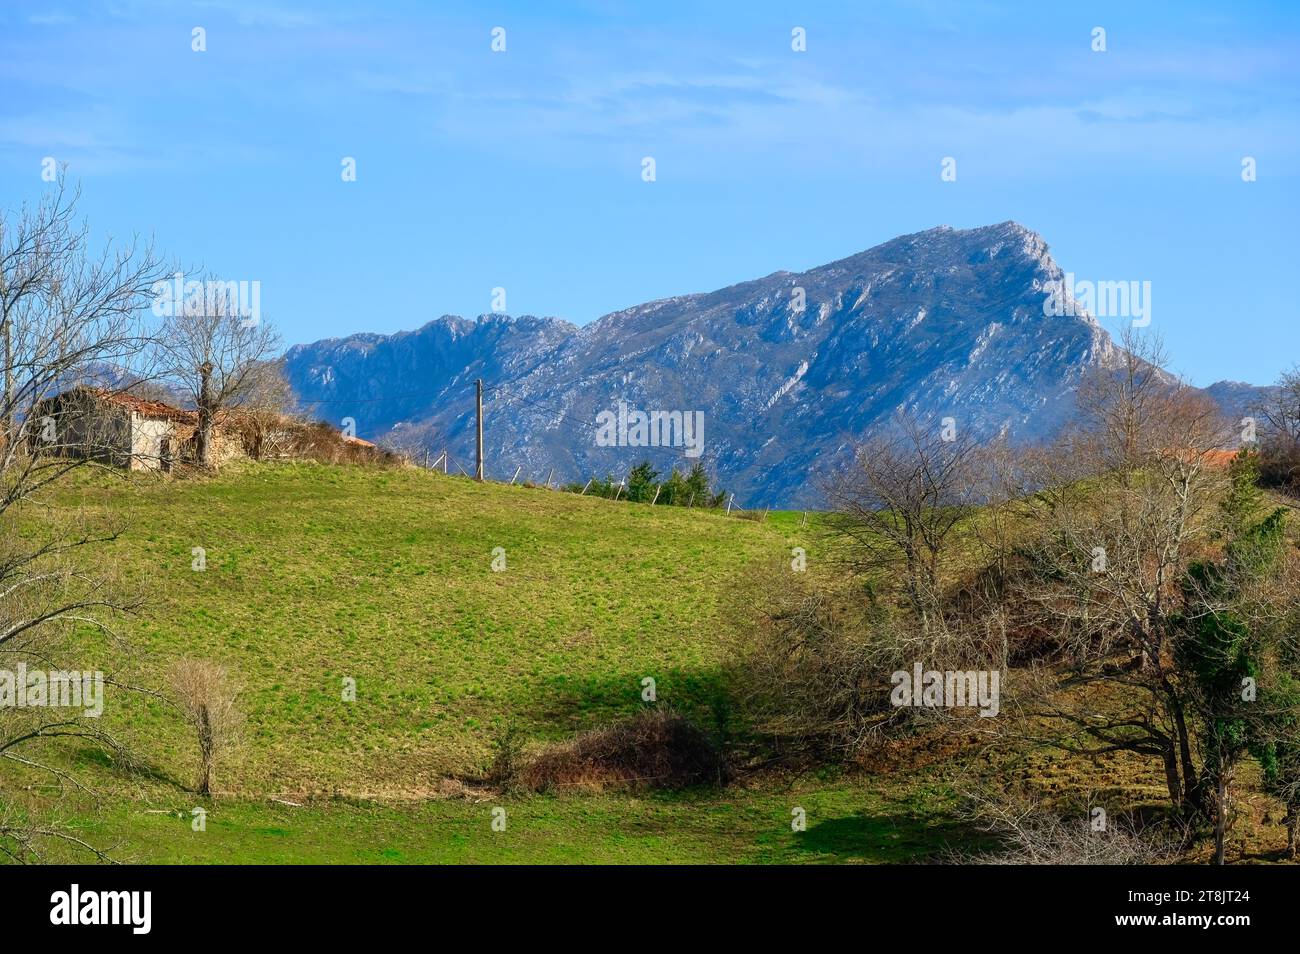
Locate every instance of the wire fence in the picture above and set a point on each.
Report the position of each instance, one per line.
(447, 463)
(450, 465)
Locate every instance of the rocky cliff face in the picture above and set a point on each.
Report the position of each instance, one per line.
(395, 387)
(789, 370)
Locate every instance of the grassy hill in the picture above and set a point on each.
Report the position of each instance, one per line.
(316, 573)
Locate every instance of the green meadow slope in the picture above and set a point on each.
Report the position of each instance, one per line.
(316, 574)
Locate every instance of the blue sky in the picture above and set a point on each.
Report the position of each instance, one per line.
(522, 169)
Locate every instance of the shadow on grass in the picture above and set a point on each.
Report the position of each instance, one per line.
(891, 839)
(125, 765)
(572, 703)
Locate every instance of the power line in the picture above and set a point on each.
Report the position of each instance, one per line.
(378, 400)
(581, 422)
(415, 395)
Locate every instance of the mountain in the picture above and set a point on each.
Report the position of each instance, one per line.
(1238, 399)
(942, 323)
(408, 387)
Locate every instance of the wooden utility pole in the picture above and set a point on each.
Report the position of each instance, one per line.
(8, 414)
(7, 417)
(478, 470)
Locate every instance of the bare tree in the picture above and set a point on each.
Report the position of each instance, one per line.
(263, 410)
(1030, 832)
(214, 352)
(1281, 411)
(812, 662)
(409, 442)
(1279, 432)
(209, 699)
(898, 506)
(1127, 501)
(67, 315)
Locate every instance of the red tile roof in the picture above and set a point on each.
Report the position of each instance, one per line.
(1210, 459)
(140, 405)
(1219, 459)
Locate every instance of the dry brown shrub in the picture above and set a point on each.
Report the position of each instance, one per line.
(208, 697)
(1030, 833)
(270, 436)
(654, 749)
(814, 654)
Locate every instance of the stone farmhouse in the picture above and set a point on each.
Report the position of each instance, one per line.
(132, 432)
(121, 429)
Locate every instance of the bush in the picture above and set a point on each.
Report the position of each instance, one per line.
(207, 697)
(813, 660)
(278, 436)
(507, 760)
(1279, 464)
(655, 749)
(643, 486)
(1029, 833)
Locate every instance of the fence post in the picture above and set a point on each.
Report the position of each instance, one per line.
(516, 476)
(729, 502)
(657, 489)
(586, 485)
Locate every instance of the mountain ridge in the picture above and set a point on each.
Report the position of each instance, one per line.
(941, 323)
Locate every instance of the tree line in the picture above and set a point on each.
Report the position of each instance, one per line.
(1137, 596)
(694, 488)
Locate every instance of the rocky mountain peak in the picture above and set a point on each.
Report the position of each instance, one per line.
(790, 369)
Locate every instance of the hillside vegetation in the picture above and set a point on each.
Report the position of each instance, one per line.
(315, 573)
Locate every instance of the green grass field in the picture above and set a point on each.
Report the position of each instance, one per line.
(315, 574)
(846, 822)
(318, 574)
